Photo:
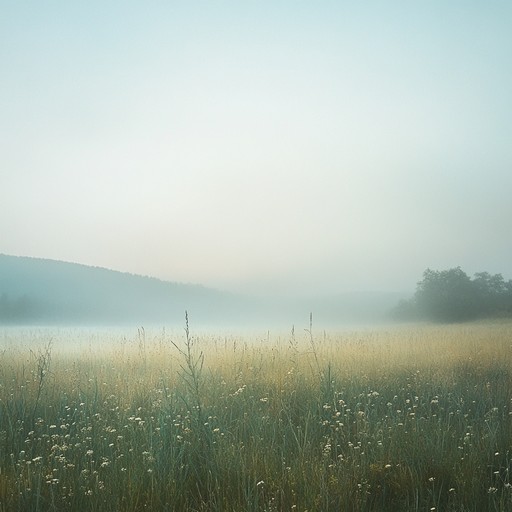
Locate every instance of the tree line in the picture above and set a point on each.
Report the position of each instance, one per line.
(453, 296)
(16, 309)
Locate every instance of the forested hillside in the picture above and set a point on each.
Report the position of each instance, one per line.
(36, 290)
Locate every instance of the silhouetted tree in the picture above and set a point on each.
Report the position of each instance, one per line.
(446, 296)
(491, 292)
(452, 296)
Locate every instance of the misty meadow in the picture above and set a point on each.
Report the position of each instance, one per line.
(412, 417)
(251, 163)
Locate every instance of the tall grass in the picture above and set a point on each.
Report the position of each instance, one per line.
(398, 419)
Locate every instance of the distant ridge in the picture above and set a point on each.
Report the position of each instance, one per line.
(37, 290)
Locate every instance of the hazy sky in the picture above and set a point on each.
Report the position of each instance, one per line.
(291, 146)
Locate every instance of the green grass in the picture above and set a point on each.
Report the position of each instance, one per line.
(398, 419)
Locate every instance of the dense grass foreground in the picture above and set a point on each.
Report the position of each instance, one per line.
(404, 419)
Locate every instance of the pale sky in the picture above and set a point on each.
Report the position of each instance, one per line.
(264, 146)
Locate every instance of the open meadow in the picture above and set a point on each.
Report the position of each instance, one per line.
(414, 418)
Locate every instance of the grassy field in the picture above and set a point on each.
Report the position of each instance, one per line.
(401, 418)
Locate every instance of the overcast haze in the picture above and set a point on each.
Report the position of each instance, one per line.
(284, 146)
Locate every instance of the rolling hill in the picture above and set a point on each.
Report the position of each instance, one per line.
(34, 290)
(43, 291)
